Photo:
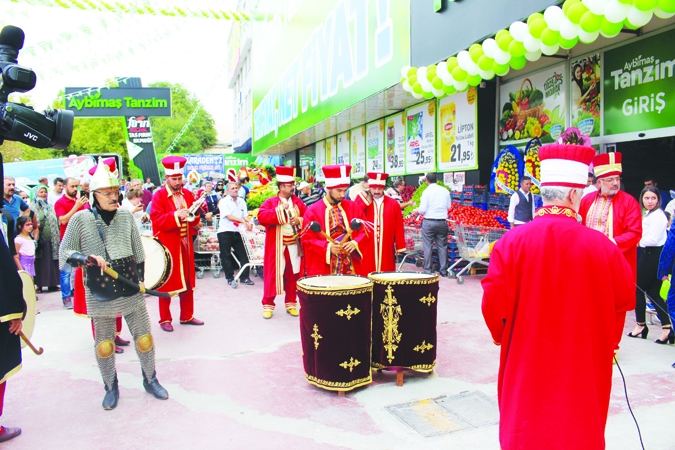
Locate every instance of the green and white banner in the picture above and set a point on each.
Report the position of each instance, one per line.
(395, 144)
(457, 132)
(375, 146)
(358, 148)
(421, 138)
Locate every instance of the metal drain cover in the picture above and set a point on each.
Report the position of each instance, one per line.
(448, 414)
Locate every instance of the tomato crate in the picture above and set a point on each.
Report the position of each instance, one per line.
(494, 199)
(468, 189)
(480, 197)
(467, 202)
(454, 195)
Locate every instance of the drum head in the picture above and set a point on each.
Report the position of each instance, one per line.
(334, 282)
(157, 262)
(388, 277)
(29, 296)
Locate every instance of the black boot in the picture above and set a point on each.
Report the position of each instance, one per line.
(153, 387)
(111, 396)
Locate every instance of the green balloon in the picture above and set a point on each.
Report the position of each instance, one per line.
(417, 88)
(645, 5)
(569, 3)
(575, 12)
(626, 2)
(500, 69)
(476, 52)
(428, 95)
(475, 46)
(517, 63)
(412, 72)
(437, 83)
(431, 74)
(449, 90)
(629, 25)
(550, 37)
(412, 79)
(459, 74)
(534, 16)
(516, 49)
(504, 42)
(667, 6)
(590, 22)
(451, 63)
(474, 80)
(501, 33)
(537, 26)
(609, 28)
(485, 63)
(568, 43)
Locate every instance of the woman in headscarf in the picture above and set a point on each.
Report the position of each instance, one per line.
(47, 256)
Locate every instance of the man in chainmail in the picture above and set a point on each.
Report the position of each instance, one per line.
(98, 238)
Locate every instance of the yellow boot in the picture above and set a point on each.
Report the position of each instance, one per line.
(267, 313)
(292, 311)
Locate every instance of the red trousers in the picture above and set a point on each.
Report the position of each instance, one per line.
(2, 396)
(290, 285)
(186, 307)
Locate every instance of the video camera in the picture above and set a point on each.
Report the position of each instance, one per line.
(18, 122)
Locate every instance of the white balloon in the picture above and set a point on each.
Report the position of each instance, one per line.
(533, 56)
(531, 43)
(661, 14)
(441, 69)
(569, 30)
(461, 85)
(472, 68)
(638, 17)
(502, 57)
(588, 38)
(404, 71)
(554, 17)
(490, 47)
(426, 85)
(464, 59)
(446, 78)
(421, 74)
(438, 92)
(406, 86)
(597, 6)
(519, 30)
(486, 74)
(549, 49)
(416, 95)
(616, 12)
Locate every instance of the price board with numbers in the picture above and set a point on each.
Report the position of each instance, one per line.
(331, 151)
(358, 151)
(375, 146)
(343, 148)
(395, 144)
(421, 138)
(457, 132)
(320, 149)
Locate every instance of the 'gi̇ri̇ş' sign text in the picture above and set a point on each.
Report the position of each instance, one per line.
(116, 102)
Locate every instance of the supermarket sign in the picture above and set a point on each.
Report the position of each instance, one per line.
(639, 83)
(323, 58)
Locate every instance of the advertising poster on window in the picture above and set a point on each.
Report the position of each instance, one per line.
(375, 146)
(331, 151)
(320, 149)
(457, 132)
(307, 164)
(395, 144)
(358, 148)
(533, 106)
(421, 138)
(585, 94)
(343, 148)
(639, 86)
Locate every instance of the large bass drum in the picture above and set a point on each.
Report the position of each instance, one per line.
(29, 297)
(158, 262)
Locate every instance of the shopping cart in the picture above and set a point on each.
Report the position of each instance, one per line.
(254, 243)
(474, 245)
(207, 250)
(413, 245)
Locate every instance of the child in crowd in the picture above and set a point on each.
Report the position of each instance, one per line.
(25, 245)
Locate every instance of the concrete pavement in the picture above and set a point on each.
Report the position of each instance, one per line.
(238, 382)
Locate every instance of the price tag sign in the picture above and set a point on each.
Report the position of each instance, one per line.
(457, 132)
(375, 146)
(320, 149)
(343, 148)
(331, 151)
(395, 144)
(358, 151)
(421, 138)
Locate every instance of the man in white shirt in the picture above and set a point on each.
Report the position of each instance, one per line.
(521, 207)
(593, 185)
(233, 214)
(434, 204)
(56, 192)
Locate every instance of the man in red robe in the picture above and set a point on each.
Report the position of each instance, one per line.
(169, 212)
(336, 249)
(282, 218)
(384, 213)
(556, 330)
(614, 213)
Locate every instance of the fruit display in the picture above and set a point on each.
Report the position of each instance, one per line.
(259, 194)
(407, 193)
(417, 197)
(207, 241)
(532, 166)
(470, 215)
(506, 171)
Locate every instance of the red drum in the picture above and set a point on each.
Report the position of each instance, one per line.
(405, 308)
(335, 320)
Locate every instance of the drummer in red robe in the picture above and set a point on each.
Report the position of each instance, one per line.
(614, 213)
(169, 212)
(554, 317)
(384, 213)
(326, 252)
(282, 218)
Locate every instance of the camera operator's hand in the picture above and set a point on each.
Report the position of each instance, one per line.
(81, 201)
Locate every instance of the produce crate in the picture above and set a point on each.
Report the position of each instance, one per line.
(456, 195)
(482, 206)
(468, 189)
(480, 197)
(467, 202)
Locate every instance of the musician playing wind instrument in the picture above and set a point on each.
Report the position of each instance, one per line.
(282, 218)
(170, 216)
(105, 236)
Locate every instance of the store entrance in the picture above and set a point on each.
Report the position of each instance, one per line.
(652, 157)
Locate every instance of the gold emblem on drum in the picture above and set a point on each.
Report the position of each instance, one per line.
(351, 364)
(349, 312)
(429, 299)
(423, 347)
(316, 336)
(391, 312)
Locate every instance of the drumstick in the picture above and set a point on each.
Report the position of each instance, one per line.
(142, 289)
(355, 224)
(315, 227)
(28, 342)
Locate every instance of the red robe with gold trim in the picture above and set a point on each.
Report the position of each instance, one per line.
(272, 217)
(169, 229)
(385, 240)
(316, 248)
(557, 323)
